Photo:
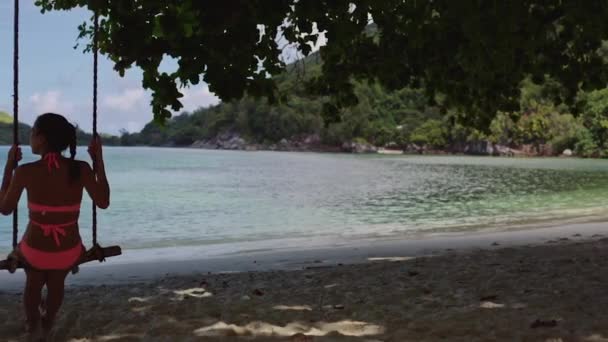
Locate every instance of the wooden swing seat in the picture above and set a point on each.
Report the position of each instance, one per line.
(100, 253)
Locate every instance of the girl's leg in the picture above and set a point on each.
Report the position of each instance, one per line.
(55, 286)
(32, 295)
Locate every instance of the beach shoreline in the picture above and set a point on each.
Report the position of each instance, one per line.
(141, 265)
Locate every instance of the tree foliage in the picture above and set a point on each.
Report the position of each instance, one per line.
(594, 108)
(432, 133)
(473, 53)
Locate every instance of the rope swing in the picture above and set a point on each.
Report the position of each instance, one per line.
(96, 252)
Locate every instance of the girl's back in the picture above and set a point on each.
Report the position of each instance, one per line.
(53, 198)
(50, 185)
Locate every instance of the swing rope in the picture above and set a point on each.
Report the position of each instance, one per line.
(16, 104)
(95, 53)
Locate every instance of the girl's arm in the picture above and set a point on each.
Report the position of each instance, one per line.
(12, 184)
(6, 180)
(96, 183)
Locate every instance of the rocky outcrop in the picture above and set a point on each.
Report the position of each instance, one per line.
(359, 147)
(233, 141)
(540, 150)
(483, 148)
(414, 149)
(313, 143)
(487, 148)
(224, 141)
(204, 145)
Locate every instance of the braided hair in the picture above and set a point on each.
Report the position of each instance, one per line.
(60, 134)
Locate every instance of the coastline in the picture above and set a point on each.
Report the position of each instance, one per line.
(314, 143)
(525, 285)
(379, 152)
(145, 265)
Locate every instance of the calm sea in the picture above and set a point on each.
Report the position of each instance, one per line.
(229, 200)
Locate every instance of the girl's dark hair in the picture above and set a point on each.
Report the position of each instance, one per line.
(59, 134)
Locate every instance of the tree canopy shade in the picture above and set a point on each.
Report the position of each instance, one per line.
(470, 54)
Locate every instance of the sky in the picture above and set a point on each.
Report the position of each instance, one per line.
(55, 77)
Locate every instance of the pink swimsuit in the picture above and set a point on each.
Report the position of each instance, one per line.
(60, 260)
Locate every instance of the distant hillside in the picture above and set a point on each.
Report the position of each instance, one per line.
(6, 133)
(6, 130)
(5, 117)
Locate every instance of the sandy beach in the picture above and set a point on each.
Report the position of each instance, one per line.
(553, 290)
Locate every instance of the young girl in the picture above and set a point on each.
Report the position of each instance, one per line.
(51, 245)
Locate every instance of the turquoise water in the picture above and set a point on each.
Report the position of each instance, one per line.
(178, 197)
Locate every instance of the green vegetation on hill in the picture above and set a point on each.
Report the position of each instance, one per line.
(6, 129)
(401, 118)
(5, 118)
